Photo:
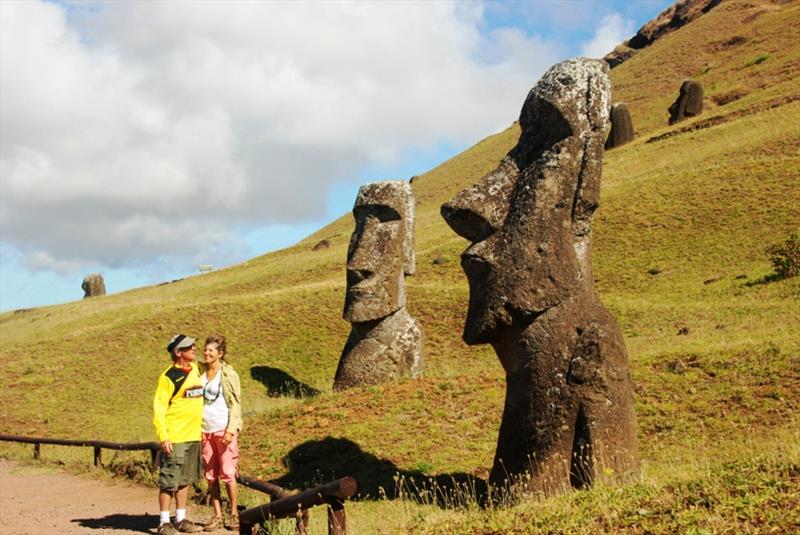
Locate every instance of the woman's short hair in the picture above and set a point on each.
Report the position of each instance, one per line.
(220, 341)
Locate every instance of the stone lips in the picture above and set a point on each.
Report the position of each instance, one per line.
(385, 342)
(568, 415)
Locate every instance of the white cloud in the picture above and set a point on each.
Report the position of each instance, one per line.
(138, 131)
(612, 31)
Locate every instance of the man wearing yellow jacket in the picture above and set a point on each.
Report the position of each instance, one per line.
(177, 417)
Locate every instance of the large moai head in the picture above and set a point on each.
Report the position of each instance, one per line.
(529, 221)
(689, 102)
(381, 251)
(568, 416)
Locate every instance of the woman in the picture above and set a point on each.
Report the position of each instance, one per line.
(222, 422)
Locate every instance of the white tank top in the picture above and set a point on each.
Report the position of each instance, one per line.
(215, 410)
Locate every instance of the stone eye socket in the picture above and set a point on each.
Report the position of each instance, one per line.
(382, 213)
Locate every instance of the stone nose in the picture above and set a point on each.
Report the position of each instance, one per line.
(479, 211)
(466, 221)
(354, 276)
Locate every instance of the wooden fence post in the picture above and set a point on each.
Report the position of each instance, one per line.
(337, 523)
(301, 522)
(36, 450)
(98, 456)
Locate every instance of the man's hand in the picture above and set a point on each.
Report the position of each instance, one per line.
(227, 438)
(166, 446)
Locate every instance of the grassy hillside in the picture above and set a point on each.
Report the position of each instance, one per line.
(686, 212)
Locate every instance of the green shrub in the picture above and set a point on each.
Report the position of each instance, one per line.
(785, 257)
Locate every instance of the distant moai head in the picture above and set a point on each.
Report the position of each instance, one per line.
(621, 126)
(689, 102)
(381, 251)
(529, 220)
(93, 285)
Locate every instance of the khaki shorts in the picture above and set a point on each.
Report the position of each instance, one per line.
(183, 467)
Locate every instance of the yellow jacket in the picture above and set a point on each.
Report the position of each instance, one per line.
(178, 404)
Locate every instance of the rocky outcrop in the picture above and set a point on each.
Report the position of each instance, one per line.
(93, 285)
(385, 342)
(568, 418)
(675, 16)
(621, 126)
(689, 102)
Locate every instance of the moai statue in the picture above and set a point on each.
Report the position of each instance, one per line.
(568, 418)
(621, 126)
(385, 342)
(93, 285)
(689, 102)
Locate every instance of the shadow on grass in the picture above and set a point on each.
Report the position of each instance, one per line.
(320, 461)
(766, 279)
(121, 522)
(280, 383)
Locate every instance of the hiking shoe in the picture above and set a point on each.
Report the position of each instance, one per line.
(167, 529)
(214, 524)
(187, 526)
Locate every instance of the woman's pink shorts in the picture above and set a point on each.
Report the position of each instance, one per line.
(219, 459)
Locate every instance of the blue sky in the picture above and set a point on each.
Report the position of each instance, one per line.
(142, 139)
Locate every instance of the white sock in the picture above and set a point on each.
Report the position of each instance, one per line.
(164, 517)
(180, 514)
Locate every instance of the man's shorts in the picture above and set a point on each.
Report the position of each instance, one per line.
(220, 459)
(183, 467)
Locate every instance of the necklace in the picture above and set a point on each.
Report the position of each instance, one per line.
(207, 399)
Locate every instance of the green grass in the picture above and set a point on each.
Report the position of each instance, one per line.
(678, 247)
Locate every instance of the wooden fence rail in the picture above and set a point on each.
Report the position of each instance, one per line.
(333, 494)
(98, 445)
(284, 504)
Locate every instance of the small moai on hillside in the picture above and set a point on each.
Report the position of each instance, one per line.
(385, 342)
(689, 102)
(621, 126)
(93, 285)
(569, 417)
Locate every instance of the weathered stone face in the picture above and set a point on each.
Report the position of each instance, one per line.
(689, 102)
(621, 126)
(381, 251)
(529, 219)
(569, 405)
(93, 285)
(385, 343)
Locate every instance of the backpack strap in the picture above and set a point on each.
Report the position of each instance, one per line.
(177, 376)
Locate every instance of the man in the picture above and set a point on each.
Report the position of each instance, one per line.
(177, 416)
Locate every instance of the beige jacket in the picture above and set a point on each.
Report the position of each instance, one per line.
(232, 392)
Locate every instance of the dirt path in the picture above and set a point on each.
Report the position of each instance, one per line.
(37, 500)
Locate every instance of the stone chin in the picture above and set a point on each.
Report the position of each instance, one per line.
(368, 304)
(491, 310)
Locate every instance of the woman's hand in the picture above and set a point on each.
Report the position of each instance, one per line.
(166, 447)
(227, 438)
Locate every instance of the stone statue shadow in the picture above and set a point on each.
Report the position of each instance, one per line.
(280, 383)
(320, 461)
(763, 281)
(120, 522)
